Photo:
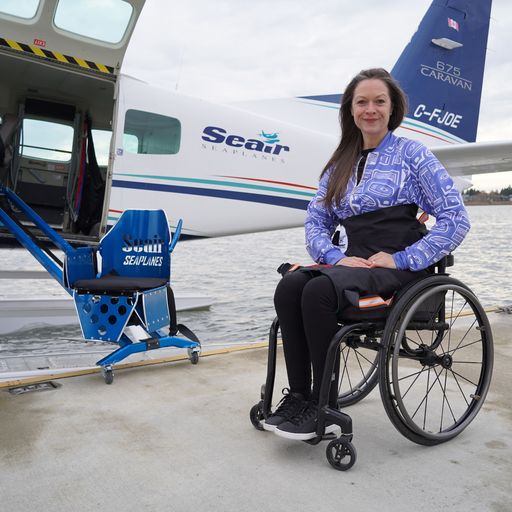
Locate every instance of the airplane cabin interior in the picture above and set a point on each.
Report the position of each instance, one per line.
(55, 131)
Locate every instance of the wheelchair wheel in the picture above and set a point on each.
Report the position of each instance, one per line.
(341, 454)
(436, 365)
(256, 416)
(358, 370)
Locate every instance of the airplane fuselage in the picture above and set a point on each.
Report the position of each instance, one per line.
(223, 169)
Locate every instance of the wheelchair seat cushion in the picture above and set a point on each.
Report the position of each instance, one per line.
(353, 315)
(111, 284)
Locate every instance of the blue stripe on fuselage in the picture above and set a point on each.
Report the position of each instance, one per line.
(287, 202)
(328, 98)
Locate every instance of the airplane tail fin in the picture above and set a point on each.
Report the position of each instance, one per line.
(441, 70)
(442, 67)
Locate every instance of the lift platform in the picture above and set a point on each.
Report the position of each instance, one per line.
(121, 288)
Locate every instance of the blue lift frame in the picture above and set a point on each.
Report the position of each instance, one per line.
(153, 317)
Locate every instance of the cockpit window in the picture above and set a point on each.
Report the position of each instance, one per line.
(104, 20)
(26, 9)
(151, 134)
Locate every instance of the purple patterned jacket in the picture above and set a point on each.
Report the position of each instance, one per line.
(399, 171)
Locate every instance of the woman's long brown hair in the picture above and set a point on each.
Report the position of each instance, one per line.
(344, 157)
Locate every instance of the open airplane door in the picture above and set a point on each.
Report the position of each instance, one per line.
(60, 61)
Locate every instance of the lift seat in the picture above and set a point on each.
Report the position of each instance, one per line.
(112, 284)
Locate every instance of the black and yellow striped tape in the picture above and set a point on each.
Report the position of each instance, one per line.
(48, 54)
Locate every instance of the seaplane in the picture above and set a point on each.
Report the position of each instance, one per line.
(81, 142)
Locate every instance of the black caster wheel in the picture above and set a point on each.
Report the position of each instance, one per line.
(108, 374)
(193, 355)
(341, 454)
(256, 416)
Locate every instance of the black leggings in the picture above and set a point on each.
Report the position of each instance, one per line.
(306, 307)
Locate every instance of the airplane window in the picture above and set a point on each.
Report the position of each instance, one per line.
(81, 17)
(130, 143)
(46, 140)
(151, 134)
(26, 9)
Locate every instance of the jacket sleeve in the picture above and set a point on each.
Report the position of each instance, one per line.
(320, 225)
(433, 190)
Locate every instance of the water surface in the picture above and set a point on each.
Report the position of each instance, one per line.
(239, 273)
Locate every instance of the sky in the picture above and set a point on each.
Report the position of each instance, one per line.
(233, 50)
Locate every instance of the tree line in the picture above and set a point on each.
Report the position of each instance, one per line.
(507, 191)
(475, 196)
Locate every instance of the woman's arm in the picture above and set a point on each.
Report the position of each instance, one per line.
(320, 226)
(433, 190)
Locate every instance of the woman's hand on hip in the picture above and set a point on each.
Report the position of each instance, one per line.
(354, 261)
(383, 260)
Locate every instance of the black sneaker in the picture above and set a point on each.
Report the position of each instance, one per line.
(289, 406)
(302, 426)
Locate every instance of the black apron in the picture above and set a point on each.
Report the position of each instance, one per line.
(389, 230)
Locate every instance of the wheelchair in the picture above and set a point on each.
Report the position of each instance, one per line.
(430, 351)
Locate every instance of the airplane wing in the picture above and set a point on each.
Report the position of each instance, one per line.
(475, 157)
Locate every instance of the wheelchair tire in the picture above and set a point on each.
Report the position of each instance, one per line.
(358, 374)
(434, 375)
(256, 416)
(341, 454)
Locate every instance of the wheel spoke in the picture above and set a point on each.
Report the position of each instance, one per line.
(412, 383)
(467, 332)
(429, 389)
(426, 401)
(348, 371)
(453, 320)
(464, 346)
(360, 354)
(445, 398)
(460, 388)
(358, 376)
(424, 398)
(415, 342)
(451, 315)
(408, 376)
(359, 364)
(345, 366)
(462, 377)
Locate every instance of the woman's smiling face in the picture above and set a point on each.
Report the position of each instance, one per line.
(371, 109)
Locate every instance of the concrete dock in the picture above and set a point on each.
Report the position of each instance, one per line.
(177, 437)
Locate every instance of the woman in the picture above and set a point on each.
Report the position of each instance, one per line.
(372, 185)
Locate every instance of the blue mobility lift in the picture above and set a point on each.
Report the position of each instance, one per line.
(129, 300)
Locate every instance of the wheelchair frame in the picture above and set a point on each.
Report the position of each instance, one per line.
(399, 342)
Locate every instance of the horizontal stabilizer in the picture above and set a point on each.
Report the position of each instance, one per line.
(475, 157)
